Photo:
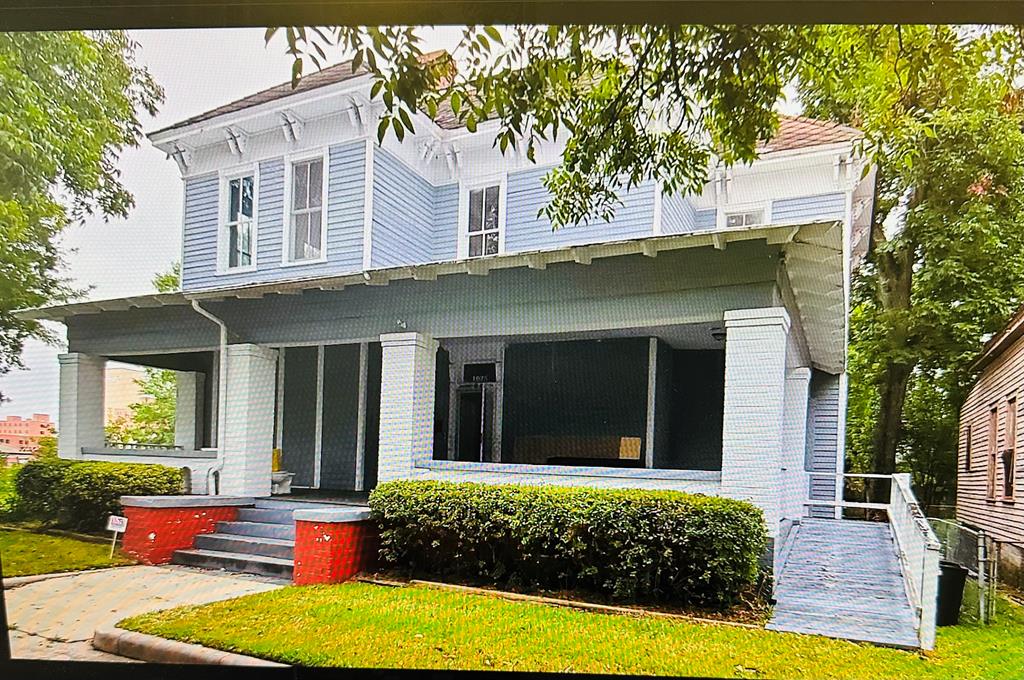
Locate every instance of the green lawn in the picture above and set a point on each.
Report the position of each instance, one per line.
(26, 552)
(364, 625)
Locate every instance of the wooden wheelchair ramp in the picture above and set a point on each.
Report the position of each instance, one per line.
(842, 579)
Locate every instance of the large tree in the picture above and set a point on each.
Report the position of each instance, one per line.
(69, 104)
(942, 118)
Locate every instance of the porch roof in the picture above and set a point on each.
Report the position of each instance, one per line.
(813, 254)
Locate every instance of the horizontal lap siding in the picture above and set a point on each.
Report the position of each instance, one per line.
(403, 210)
(344, 224)
(810, 208)
(446, 222)
(525, 230)
(1002, 379)
(823, 438)
(199, 249)
(705, 219)
(677, 215)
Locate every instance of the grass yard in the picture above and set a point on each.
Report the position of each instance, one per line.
(27, 552)
(364, 625)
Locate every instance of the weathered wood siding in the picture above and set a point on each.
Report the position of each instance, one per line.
(1001, 381)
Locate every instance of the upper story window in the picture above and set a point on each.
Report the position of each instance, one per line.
(484, 221)
(306, 221)
(237, 235)
(747, 218)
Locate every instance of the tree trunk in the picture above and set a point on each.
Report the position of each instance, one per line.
(895, 280)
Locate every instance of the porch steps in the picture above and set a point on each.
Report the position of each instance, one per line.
(842, 579)
(261, 540)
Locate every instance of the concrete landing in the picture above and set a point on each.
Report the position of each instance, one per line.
(842, 579)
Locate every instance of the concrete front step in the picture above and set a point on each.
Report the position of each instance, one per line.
(283, 531)
(229, 561)
(277, 504)
(247, 545)
(266, 515)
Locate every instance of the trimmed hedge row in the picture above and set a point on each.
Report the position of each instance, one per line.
(81, 494)
(627, 543)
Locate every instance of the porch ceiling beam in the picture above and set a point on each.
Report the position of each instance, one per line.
(424, 274)
(719, 240)
(536, 261)
(782, 236)
(649, 248)
(478, 267)
(581, 256)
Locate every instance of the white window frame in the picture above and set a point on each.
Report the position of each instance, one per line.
(225, 178)
(765, 208)
(501, 181)
(290, 161)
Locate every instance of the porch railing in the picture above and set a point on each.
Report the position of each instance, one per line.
(917, 546)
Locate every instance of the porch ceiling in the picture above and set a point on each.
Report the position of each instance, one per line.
(814, 265)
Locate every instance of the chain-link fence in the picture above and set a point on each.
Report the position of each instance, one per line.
(976, 552)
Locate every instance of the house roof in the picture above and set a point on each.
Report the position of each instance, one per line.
(795, 132)
(326, 76)
(998, 343)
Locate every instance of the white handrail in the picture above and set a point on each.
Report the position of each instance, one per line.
(919, 549)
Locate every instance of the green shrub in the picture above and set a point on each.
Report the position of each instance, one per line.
(627, 543)
(81, 494)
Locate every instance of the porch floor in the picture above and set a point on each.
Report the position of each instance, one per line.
(329, 496)
(841, 579)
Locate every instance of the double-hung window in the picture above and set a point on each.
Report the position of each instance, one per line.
(1010, 449)
(993, 425)
(306, 226)
(483, 226)
(238, 225)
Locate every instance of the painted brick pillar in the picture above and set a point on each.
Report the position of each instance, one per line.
(81, 403)
(188, 407)
(159, 525)
(793, 482)
(406, 403)
(333, 545)
(247, 442)
(755, 392)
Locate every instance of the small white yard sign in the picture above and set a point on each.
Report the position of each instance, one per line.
(117, 524)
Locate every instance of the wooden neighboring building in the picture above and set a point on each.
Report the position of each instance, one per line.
(990, 464)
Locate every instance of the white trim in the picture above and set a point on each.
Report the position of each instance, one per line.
(290, 160)
(652, 372)
(368, 205)
(841, 442)
(364, 370)
(224, 177)
(279, 440)
(499, 179)
(318, 441)
(656, 226)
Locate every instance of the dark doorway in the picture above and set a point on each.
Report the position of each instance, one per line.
(471, 425)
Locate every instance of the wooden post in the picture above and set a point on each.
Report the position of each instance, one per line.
(982, 578)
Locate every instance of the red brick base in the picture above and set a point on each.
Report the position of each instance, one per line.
(153, 534)
(331, 552)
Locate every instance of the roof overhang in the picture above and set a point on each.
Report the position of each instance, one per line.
(812, 251)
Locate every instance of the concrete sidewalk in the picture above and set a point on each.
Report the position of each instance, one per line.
(55, 618)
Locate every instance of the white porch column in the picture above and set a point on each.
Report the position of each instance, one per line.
(406, 403)
(188, 410)
(81, 403)
(755, 386)
(793, 483)
(247, 442)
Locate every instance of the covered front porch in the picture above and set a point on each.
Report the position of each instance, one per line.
(690, 364)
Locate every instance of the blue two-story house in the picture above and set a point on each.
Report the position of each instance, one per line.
(381, 311)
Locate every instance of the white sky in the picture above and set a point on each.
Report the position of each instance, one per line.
(199, 70)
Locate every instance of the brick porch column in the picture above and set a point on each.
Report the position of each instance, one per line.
(752, 426)
(81, 403)
(247, 442)
(406, 403)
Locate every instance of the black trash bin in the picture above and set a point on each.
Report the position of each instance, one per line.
(952, 578)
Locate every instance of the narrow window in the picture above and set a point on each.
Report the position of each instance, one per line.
(967, 448)
(748, 218)
(239, 221)
(483, 224)
(993, 418)
(1010, 450)
(306, 232)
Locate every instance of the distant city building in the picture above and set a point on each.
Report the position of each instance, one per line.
(121, 391)
(19, 437)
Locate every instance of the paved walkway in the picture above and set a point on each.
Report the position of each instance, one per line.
(842, 579)
(55, 618)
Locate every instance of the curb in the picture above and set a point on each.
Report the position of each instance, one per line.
(160, 650)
